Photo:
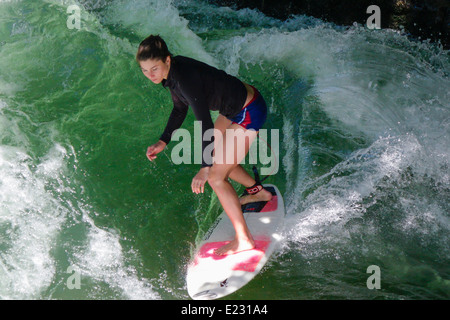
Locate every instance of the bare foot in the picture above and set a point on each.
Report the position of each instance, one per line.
(235, 246)
(263, 195)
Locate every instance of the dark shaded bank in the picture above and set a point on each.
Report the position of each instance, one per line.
(426, 19)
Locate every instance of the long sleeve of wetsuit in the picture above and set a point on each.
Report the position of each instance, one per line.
(178, 115)
(196, 99)
(176, 118)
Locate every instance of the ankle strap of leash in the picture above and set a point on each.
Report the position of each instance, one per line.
(257, 187)
(254, 189)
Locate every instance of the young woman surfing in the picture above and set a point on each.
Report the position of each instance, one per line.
(242, 112)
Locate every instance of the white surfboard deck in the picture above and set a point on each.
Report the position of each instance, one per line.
(210, 276)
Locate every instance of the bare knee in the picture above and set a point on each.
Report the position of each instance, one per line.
(215, 179)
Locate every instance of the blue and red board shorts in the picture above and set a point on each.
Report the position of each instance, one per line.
(253, 115)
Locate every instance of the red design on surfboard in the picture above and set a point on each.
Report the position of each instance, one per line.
(242, 261)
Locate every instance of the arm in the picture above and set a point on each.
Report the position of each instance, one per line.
(176, 118)
(196, 99)
(175, 121)
(201, 111)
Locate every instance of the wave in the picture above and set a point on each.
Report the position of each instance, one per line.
(46, 224)
(364, 122)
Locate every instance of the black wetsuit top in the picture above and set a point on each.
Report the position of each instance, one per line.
(204, 88)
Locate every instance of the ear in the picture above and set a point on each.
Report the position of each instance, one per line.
(168, 60)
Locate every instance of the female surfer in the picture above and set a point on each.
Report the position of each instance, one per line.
(242, 112)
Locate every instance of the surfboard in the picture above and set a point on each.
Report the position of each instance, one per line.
(210, 276)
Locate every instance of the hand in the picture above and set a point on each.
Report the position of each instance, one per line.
(154, 149)
(198, 183)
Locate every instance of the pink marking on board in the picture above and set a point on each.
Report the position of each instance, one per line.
(242, 261)
(272, 205)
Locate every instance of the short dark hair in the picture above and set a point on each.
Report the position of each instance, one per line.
(152, 47)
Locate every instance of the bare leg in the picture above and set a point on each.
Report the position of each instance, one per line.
(238, 173)
(218, 180)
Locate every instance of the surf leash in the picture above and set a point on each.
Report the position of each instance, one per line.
(257, 187)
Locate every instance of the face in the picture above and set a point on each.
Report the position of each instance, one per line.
(155, 69)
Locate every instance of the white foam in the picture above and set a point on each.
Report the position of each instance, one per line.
(38, 201)
(157, 17)
(33, 212)
(30, 219)
(349, 190)
(102, 259)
